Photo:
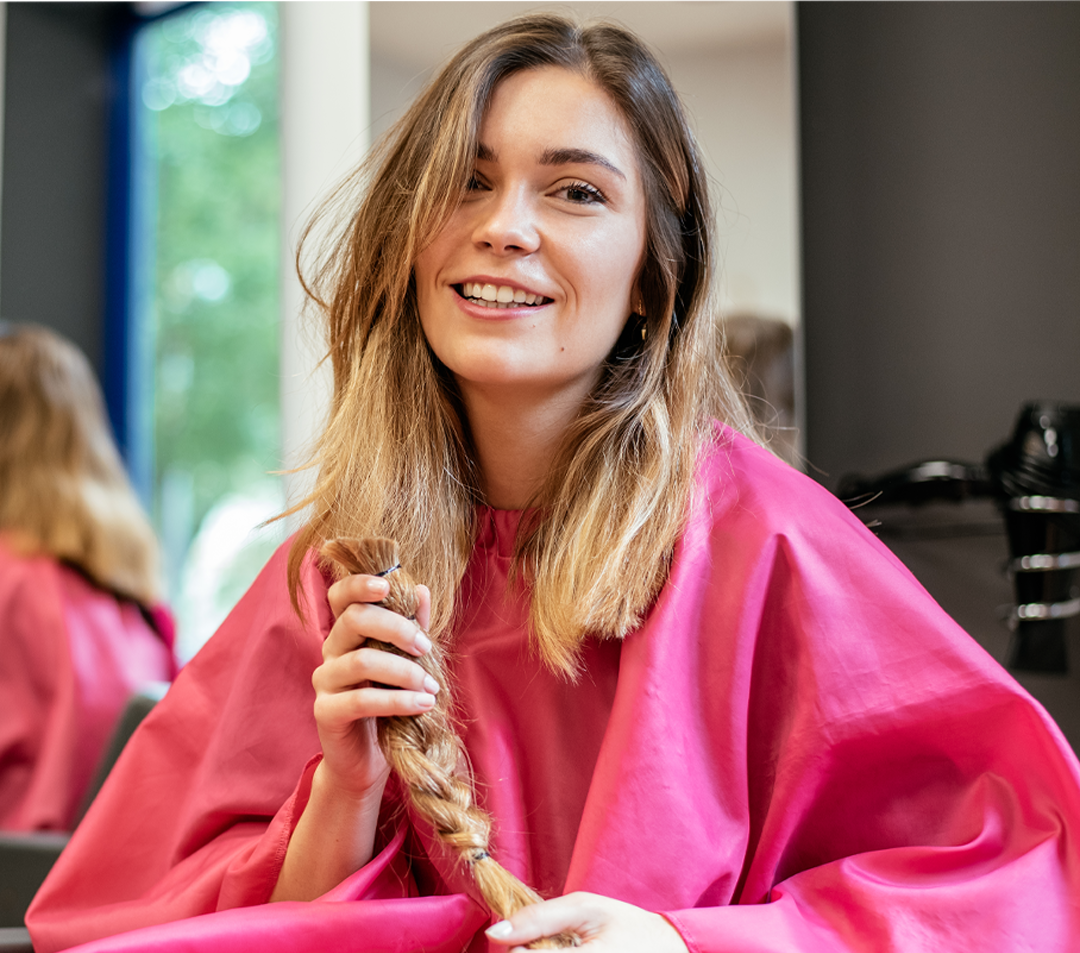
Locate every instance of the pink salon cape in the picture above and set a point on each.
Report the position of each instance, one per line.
(796, 751)
(71, 654)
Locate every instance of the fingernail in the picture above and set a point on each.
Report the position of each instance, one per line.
(379, 587)
(424, 700)
(500, 930)
(431, 685)
(422, 643)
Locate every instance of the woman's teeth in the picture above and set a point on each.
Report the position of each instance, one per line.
(494, 296)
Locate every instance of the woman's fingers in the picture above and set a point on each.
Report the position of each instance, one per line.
(423, 611)
(358, 618)
(359, 622)
(357, 683)
(365, 665)
(550, 918)
(602, 924)
(357, 588)
(343, 709)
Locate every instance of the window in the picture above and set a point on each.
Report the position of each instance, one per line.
(204, 292)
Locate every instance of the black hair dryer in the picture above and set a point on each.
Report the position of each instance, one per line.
(1036, 476)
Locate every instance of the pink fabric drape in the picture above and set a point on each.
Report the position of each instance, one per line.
(70, 656)
(797, 750)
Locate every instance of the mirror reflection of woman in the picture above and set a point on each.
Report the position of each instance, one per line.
(81, 622)
(704, 707)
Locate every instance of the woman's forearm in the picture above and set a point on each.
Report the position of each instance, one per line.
(334, 838)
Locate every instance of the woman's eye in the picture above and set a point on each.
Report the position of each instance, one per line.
(474, 184)
(581, 193)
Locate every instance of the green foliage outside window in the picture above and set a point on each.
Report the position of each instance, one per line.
(207, 103)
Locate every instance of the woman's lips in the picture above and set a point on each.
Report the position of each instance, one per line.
(490, 295)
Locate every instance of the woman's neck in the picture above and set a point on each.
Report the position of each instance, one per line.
(516, 438)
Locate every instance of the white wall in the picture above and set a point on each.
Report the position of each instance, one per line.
(742, 101)
(324, 130)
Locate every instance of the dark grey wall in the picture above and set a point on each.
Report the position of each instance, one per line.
(52, 248)
(941, 224)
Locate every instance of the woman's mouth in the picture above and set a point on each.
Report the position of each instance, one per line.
(499, 296)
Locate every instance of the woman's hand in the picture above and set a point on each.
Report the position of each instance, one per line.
(604, 925)
(355, 684)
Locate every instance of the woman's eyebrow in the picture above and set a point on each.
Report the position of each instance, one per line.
(558, 157)
(578, 157)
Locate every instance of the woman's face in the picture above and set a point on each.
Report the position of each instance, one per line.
(527, 288)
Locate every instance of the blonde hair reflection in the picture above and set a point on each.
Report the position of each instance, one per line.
(65, 492)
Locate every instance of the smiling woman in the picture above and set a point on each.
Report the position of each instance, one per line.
(655, 674)
(563, 226)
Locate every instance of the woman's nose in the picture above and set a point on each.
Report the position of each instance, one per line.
(507, 224)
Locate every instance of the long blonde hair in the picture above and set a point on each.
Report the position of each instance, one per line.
(62, 486)
(395, 459)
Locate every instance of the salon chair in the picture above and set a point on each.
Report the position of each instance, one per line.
(26, 858)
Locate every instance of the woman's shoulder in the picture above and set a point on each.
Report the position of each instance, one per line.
(266, 618)
(31, 614)
(751, 506)
(19, 556)
(26, 577)
(770, 545)
(740, 481)
(313, 579)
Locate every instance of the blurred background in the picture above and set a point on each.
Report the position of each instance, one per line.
(898, 204)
